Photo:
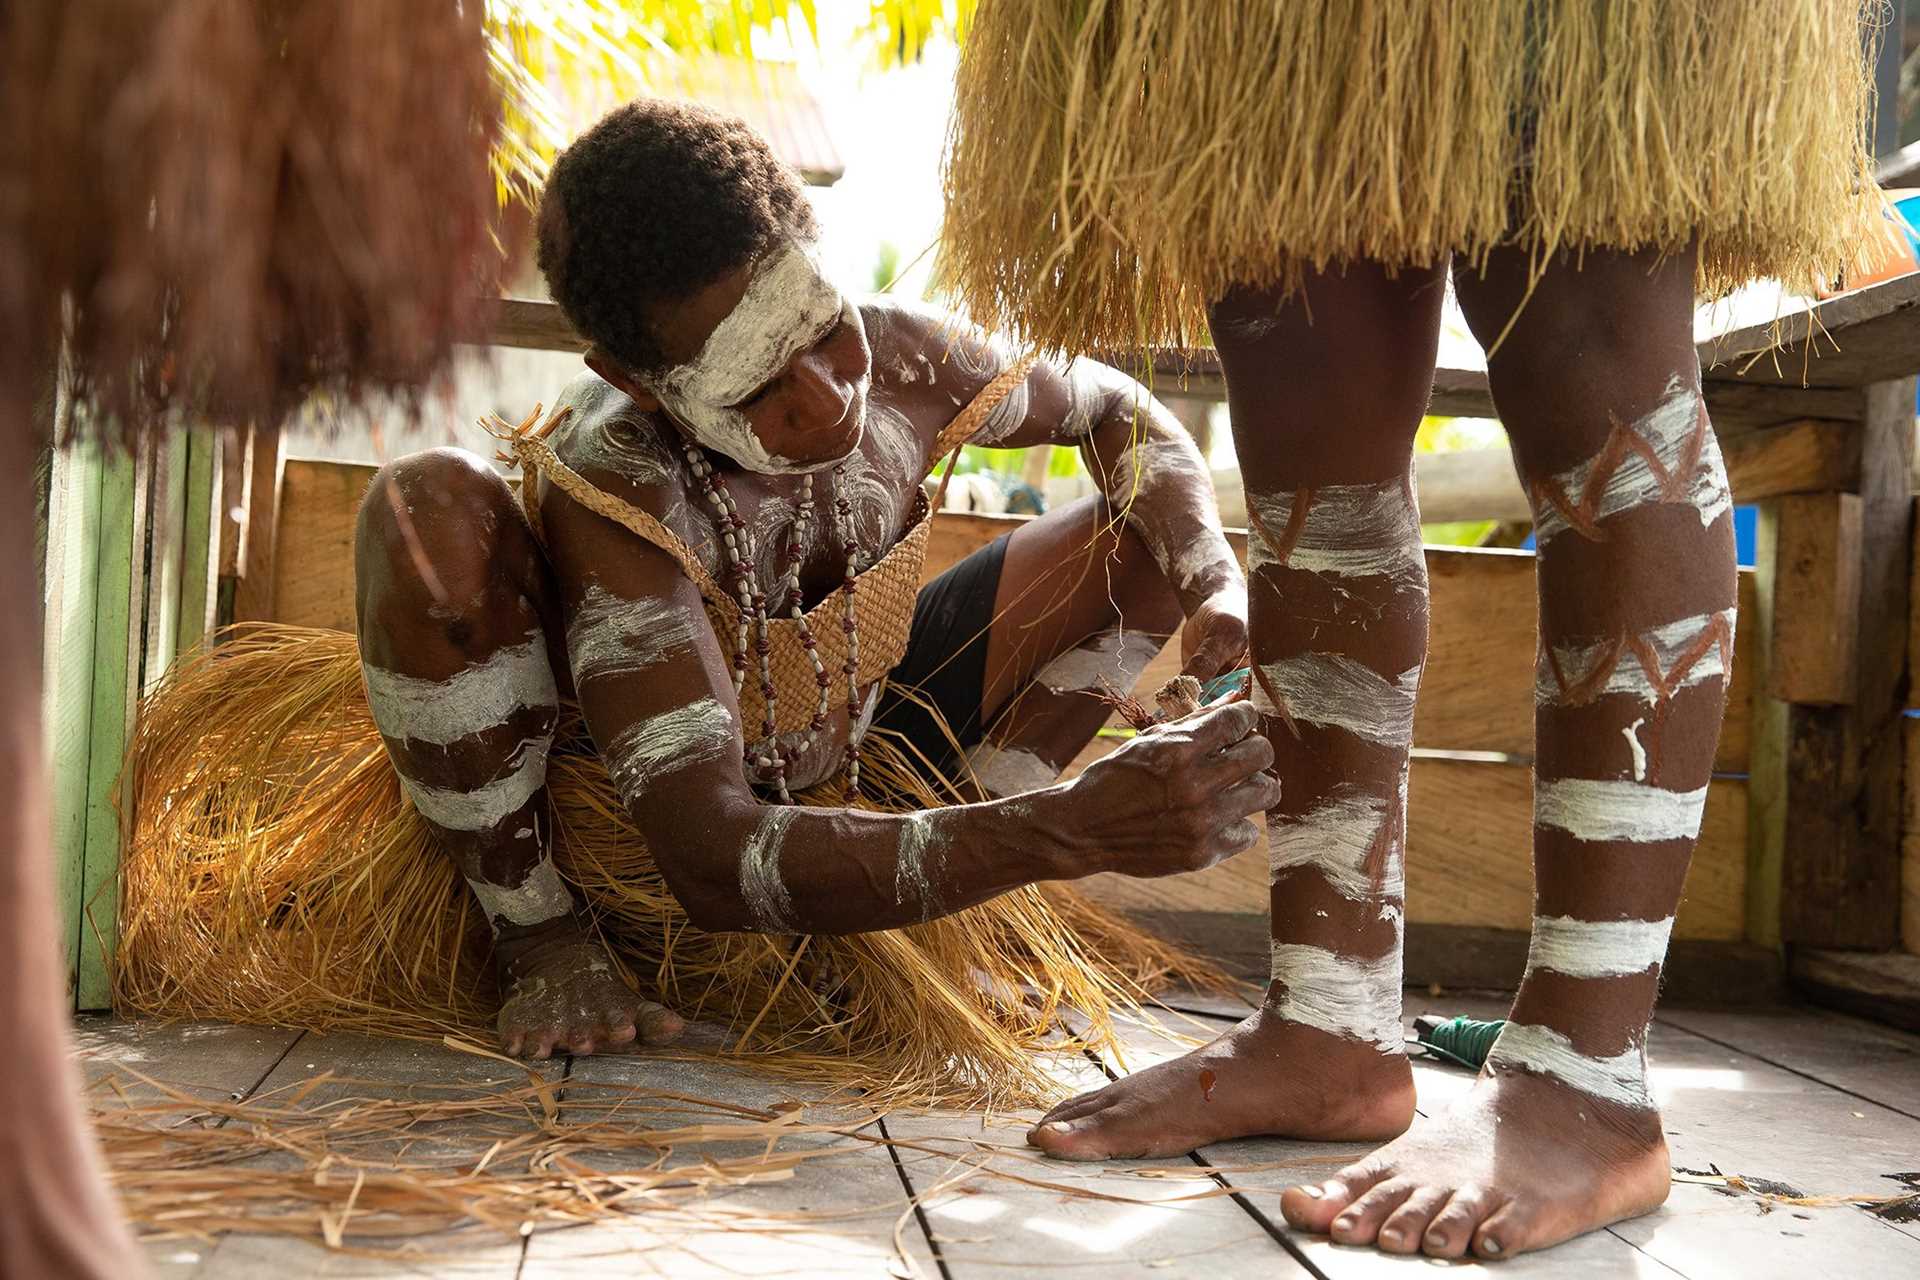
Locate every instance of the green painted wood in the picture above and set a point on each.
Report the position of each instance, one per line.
(116, 650)
(73, 546)
(199, 562)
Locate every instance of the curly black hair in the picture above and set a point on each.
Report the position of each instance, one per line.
(655, 202)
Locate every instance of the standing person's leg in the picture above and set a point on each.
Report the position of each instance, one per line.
(56, 1216)
(1327, 390)
(1600, 392)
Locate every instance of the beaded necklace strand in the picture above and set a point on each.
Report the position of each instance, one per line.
(741, 553)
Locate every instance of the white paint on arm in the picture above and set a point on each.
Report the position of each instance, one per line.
(1115, 656)
(768, 903)
(923, 849)
(1009, 771)
(612, 636)
(663, 744)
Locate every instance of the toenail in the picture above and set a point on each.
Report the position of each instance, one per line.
(1390, 1234)
(1312, 1193)
(1345, 1220)
(1491, 1245)
(1436, 1240)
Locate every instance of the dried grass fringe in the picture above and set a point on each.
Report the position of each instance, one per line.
(275, 873)
(1114, 166)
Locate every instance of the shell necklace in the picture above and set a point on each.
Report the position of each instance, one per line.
(755, 615)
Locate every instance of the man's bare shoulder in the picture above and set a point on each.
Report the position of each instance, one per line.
(608, 438)
(921, 351)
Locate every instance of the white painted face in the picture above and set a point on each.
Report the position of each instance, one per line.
(788, 306)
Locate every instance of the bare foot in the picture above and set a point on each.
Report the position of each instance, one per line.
(1265, 1076)
(563, 996)
(1520, 1163)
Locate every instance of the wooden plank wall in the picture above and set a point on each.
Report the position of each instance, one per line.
(1469, 842)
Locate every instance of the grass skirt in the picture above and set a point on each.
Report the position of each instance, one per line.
(276, 873)
(1116, 164)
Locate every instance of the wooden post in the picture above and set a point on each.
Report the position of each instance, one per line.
(1813, 650)
(116, 653)
(253, 594)
(1827, 780)
(73, 551)
(200, 558)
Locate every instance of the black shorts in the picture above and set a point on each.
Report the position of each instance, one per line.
(946, 659)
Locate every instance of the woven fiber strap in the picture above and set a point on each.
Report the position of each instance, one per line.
(884, 593)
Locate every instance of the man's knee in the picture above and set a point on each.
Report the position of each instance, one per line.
(432, 529)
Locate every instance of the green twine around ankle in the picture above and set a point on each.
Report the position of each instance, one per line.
(1465, 1042)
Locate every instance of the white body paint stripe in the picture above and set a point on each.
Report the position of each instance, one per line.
(1118, 657)
(1334, 838)
(1350, 531)
(667, 743)
(542, 896)
(1613, 809)
(481, 697)
(1334, 690)
(1667, 428)
(1668, 642)
(1621, 1078)
(768, 903)
(1597, 948)
(1354, 999)
(486, 806)
(1009, 771)
(612, 636)
(921, 850)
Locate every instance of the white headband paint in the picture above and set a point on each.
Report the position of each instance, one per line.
(788, 305)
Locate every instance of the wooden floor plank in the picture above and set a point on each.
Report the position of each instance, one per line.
(1872, 1062)
(207, 1059)
(356, 1066)
(835, 1216)
(1174, 1217)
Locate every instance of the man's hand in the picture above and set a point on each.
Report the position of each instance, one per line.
(1180, 797)
(1215, 636)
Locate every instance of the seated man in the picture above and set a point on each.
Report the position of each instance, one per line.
(749, 447)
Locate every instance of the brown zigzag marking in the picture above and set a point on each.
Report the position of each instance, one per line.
(1621, 441)
(1279, 703)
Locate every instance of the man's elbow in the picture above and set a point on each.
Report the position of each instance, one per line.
(699, 858)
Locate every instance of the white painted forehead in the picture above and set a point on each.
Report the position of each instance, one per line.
(788, 305)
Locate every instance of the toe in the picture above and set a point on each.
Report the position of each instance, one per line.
(1067, 1140)
(1359, 1222)
(660, 1025)
(1507, 1231)
(1079, 1105)
(582, 1042)
(621, 1033)
(1313, 1207)
(1407, 1225)
(1453, 1227)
